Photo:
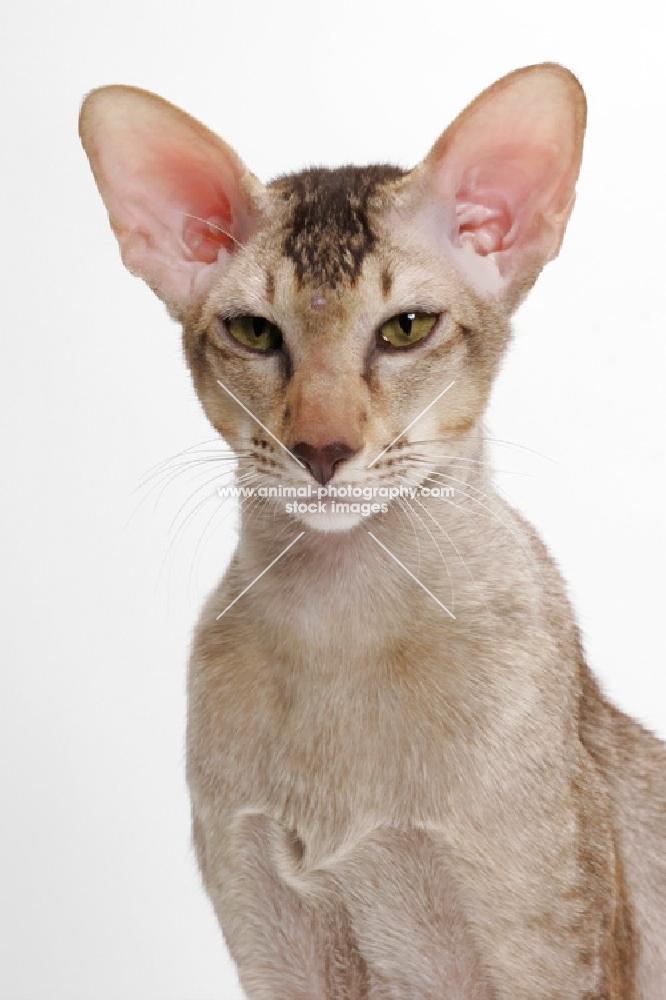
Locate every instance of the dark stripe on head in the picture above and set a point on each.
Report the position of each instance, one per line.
(330, 231)
(270, 287)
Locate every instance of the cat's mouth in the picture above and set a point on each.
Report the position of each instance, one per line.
(338, 505)
(332, 520)
(333, 507)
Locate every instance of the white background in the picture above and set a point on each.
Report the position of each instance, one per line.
(99, 897)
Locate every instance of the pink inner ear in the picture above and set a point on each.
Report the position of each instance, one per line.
(487, 205)
(192, 197)
(207, 217)
(495, 198)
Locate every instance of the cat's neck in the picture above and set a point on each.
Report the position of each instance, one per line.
(434, 574)
(455, 546)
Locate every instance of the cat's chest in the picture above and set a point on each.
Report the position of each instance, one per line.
(332, 751)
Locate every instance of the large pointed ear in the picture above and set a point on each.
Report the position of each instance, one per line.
(505, 173)
(179, 199)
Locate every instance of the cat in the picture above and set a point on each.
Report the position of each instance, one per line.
(392, 796)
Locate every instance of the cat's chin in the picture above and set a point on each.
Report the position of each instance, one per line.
(329, 523)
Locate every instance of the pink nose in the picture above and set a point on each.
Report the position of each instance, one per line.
(322, 461)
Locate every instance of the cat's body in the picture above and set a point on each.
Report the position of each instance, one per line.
(401, 788)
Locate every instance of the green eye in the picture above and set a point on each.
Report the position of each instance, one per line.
(255, 332)
(407, 328)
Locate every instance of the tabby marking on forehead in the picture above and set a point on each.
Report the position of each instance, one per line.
(329, 231)
(270, 286)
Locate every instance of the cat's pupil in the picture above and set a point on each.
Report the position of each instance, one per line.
(405, 320)
(258, 325)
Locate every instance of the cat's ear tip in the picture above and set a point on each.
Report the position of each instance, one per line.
(551, 80)
(569, 79)
(555, 76)
(550, 66)
(543, 69)
(108, 93)
(113, 92)
(101, 103)
(123, 103)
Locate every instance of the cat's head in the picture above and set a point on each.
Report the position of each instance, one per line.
(325, 313)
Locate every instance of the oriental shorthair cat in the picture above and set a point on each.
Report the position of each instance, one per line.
(405, 782)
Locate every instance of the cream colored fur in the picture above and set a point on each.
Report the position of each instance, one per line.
(388, 801)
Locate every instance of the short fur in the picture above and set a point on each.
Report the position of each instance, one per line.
(389, 801)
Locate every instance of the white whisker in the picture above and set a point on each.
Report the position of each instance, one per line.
(522, 447)
(408, 512)
(213, 225)
(527, 552)
(449, 539)
(435, 543)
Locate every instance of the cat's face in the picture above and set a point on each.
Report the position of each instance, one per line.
(327, 312)
(364, 321)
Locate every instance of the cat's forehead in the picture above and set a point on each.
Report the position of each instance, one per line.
(327, 226)
(337, 248)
